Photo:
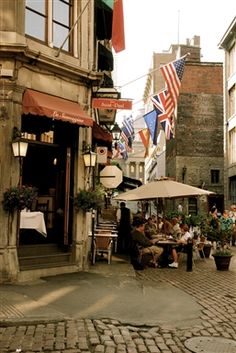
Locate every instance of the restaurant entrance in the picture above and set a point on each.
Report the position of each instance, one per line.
(49, 166)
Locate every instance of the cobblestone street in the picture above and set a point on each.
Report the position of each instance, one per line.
(213, 290)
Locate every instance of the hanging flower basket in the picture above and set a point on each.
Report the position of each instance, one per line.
(87, 200)
(17, 198)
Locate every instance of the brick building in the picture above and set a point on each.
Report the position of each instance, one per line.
(195, 155)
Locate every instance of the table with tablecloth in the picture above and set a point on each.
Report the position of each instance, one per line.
(33, 220)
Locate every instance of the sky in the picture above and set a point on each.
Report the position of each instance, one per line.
(153, 25)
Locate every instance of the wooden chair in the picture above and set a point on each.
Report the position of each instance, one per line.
(43, 207)
(102, 244)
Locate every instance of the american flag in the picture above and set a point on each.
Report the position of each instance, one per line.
(167, 123)
(173, 73)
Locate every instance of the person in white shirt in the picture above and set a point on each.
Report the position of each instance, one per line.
(182, 242)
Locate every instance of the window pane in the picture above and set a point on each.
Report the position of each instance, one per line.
(37, 5)
(61, 12)
(59, 35)
(36, 30)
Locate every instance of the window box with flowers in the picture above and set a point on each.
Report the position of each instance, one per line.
(17, 198)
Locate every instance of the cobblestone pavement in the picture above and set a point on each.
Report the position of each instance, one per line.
(215, 291)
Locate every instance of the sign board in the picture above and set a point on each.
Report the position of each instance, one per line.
(109, 103)
(101, 155)
(111, 176)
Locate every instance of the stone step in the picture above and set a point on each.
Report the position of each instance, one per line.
(38, 249)
(46, 260)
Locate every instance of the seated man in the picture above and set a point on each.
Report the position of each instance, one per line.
(180, 248)
(150, 229)
(144, 245)
(176, 230)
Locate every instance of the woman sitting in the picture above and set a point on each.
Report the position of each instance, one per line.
(181, 247)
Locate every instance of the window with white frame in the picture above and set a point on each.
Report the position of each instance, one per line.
(232, 60)
(49, 21)
(35, 19)
(232, 101)
(232, 146)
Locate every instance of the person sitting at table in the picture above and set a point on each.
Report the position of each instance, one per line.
(181, 245)
(176, 230)
(167, 227)
(141, 245)
(150, 229)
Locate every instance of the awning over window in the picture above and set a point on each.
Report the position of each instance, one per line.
(42, 104)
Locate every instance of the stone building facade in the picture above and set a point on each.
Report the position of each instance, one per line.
(52, 58)
(228, 44)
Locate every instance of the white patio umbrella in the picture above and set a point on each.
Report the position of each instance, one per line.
(163, 188)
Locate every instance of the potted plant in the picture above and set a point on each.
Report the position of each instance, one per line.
(18, 198)
(222, 253)
(87, 200)
(221, 237)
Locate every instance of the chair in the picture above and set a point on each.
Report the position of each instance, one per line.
(102, 244)
(43, 207)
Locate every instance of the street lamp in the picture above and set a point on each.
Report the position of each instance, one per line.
(106, 95)
(116, 132)
(90, 158)
(19, 148)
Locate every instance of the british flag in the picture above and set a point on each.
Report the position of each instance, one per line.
(166, 120)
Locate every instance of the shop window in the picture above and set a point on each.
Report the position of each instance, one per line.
(215, 176)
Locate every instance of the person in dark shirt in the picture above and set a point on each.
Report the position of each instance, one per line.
(124, 219)
(143, 244)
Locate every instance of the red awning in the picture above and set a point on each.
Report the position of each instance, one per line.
(42, 104)
(101, 134)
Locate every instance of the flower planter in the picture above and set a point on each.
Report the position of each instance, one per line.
(222, 262)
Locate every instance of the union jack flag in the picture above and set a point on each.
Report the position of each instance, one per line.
(166, 121)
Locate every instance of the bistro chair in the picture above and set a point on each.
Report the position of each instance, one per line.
(102, 245)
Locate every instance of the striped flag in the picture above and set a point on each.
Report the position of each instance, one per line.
(173, 74)
(145, 138)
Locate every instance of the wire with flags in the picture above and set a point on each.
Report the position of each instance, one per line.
(164, 111)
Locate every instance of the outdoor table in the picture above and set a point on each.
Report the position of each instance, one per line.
(33, 220)
(167, 245)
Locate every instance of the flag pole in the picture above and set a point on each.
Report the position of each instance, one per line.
(72, 28)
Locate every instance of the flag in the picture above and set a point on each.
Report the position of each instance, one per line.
(145, 138)
(151, 122)
(123, 151)
(167, 123)
(129, 125)
(173, 73)
(118, 32)
(127, 132)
